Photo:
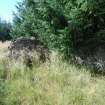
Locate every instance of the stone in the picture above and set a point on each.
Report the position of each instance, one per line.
(27, 46)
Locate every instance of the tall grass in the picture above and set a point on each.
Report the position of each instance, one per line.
(50, 83)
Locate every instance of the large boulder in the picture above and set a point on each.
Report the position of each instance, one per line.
(27, 46)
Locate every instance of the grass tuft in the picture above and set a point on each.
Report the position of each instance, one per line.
(50, 83)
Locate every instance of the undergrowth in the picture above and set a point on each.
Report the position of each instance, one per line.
(50, 83)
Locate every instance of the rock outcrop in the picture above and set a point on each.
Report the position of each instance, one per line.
(27, 46)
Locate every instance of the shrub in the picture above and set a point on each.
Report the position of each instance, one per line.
(67, 25)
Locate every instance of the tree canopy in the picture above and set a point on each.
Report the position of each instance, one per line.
(66, 25)
(5, 30)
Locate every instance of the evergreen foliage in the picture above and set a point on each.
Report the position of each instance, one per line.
(67, 25)
(5, 30)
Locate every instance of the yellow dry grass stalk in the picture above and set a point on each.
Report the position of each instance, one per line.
(4, 45)
(51, 83)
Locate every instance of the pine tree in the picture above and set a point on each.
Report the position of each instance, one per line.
(66, 25)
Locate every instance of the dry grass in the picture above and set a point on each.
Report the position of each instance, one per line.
(4, 48)
(54, 83)
(4, 45)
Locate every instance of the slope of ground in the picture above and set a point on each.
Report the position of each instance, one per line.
(54, 83)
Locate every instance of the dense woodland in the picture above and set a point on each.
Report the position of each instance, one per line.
(5, 29)
(66, 25)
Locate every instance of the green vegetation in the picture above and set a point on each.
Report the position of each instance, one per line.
(54, 83)
(5, 30)
(67, 25)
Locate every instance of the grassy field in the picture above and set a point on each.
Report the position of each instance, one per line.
(54, 83)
